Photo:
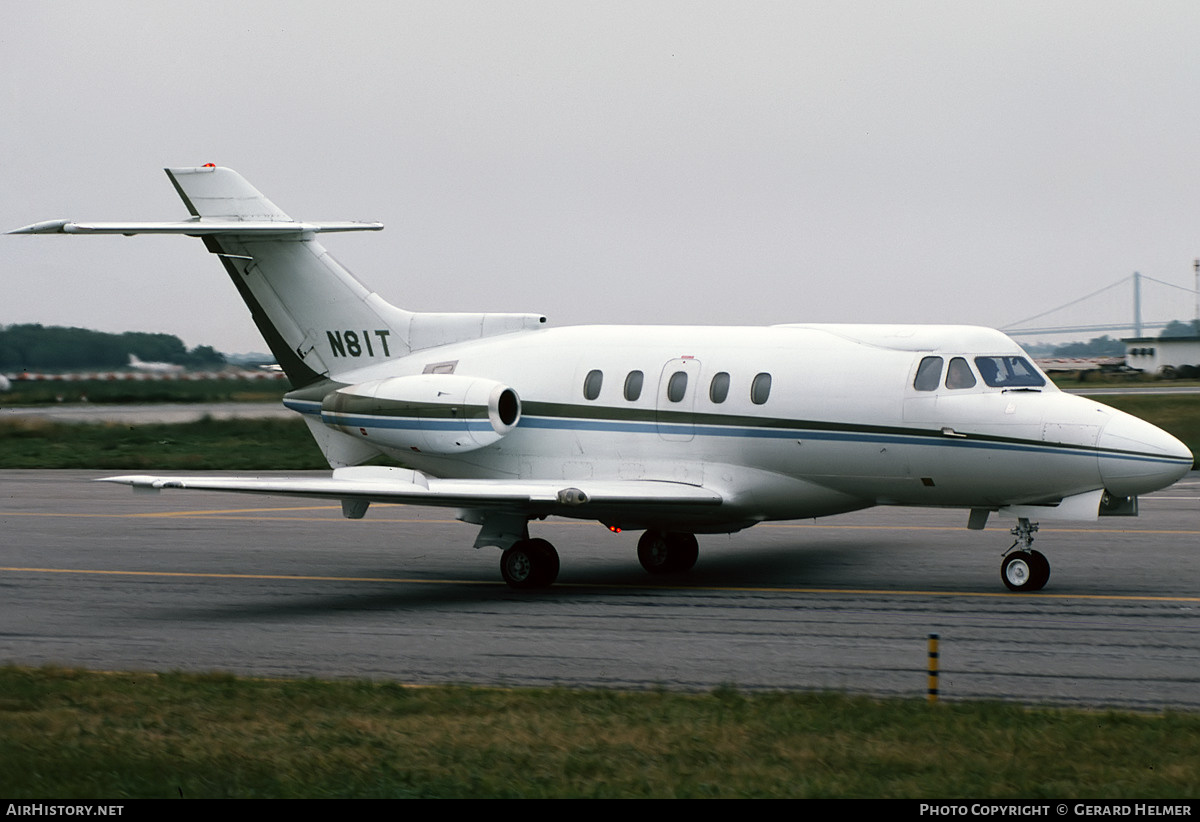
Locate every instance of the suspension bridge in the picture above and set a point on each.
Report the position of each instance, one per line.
(1146, 296)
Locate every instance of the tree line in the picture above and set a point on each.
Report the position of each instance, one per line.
(35, 347)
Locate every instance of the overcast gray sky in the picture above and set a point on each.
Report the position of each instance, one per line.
(690, 162)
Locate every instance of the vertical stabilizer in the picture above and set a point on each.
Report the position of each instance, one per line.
(318, 320)
(315, 316)
(221, 193)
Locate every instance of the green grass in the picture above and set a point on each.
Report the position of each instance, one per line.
(73, 734)
(136, 392)
(1096, 379)
(206, 445)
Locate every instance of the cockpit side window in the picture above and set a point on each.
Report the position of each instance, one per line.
(929, 374)
(1008, 372)
(959, 374)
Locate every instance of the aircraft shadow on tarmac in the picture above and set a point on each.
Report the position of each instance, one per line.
(793, 563)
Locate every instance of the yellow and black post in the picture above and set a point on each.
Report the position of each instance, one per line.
(933, 668)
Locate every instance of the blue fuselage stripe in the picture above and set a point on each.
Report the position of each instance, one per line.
(575, 424)
(727, 431)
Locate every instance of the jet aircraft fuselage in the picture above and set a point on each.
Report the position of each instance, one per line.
(676, 430)
(783, 422)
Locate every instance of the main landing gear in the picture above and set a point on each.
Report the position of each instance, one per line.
(533, 563)
(1024, 569)
(529, 563)
(667, 553)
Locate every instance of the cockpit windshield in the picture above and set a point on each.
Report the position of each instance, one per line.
(1008, 372)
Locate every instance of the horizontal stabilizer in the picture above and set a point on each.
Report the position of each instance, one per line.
(197, 228)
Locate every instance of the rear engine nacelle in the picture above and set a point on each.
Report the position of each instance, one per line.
(426, 413)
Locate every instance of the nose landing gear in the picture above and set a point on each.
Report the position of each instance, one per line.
(1024, 569)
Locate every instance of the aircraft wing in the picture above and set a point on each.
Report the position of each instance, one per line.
(360, 485)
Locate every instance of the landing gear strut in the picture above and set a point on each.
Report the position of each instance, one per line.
(529, 563)
(667, 553)
(1024, 569)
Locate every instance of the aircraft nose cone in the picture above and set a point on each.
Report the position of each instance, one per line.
(1137, 457)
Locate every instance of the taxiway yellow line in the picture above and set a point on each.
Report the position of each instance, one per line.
(582, 585)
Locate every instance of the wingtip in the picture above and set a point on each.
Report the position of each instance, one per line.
(127, 479)
(47, 227)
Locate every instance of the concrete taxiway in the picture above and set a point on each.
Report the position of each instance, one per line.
(93, 575)
(147, 413)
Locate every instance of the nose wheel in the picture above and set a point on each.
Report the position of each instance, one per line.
(1024, 569)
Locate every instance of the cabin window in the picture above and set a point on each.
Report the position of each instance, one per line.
(633, 385)
(1008, 372)
(591, 384)
(959, 374)
(677, 386)
(760, 389)
(929, 374)
(718, 389)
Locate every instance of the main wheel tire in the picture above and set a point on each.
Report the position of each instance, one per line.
(654, 552)
(685, 550)
(529, 563)
(1041, 570)
(1025, 571)
(662, 553)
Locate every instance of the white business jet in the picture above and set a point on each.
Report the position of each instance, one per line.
(154, 367)
(673, 430)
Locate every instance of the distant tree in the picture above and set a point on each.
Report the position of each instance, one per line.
(154, 347)
(1178, 328)
(36, 347)
(205, 356)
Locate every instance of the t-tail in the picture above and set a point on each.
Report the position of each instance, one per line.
(317, 318)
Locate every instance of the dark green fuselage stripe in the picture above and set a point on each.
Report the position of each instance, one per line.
(654, 416)
(380, 407)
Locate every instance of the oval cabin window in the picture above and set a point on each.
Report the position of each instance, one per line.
(718, 390)
(633, 385)
(677, 386)
(760, 389)
(592, 383)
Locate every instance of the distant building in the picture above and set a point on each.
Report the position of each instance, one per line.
(1154, 354)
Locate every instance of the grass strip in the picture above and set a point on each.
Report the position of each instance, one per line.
(206, 445)
(137, 392)
(75, 734)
